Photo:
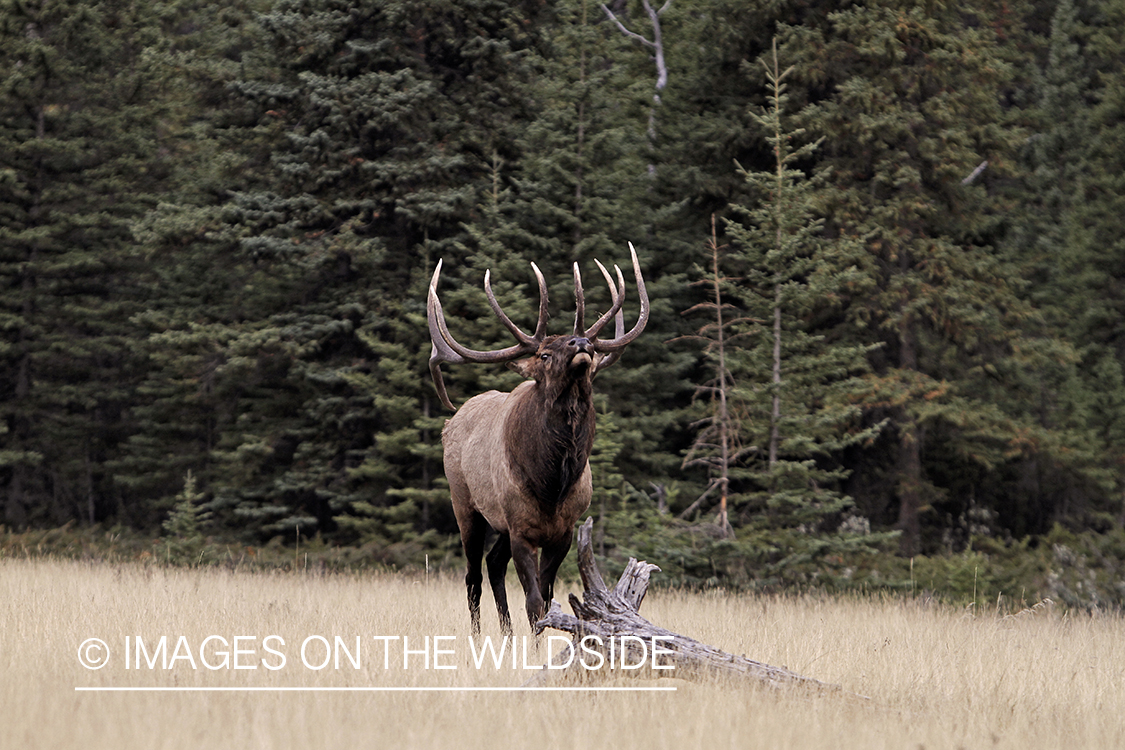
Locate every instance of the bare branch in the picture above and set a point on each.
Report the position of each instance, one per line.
(624, 29)
(975, 173)
(691, 508)
(658, 45)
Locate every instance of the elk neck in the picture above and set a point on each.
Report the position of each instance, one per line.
(549, 438)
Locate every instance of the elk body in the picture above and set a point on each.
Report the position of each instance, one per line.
(518, 462)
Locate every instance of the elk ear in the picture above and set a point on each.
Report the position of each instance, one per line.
(525, 367)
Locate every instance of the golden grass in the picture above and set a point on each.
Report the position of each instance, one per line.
(936, 677)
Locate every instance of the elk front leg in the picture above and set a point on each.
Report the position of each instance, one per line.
(552, 556)
(527, 567)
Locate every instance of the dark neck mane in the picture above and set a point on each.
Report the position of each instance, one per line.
(549, 440)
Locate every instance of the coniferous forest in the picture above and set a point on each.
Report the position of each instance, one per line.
(883, 241)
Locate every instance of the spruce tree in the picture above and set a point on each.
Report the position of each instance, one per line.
(1098, 186)
(797, 391)
(381, 121)
(1049, 244)
(581, 191)
(198, 287)
(581, 167)
(184, 542)
(912, 110)
(79, 160)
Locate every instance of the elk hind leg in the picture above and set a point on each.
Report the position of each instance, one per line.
(498, 559)
(473, 533)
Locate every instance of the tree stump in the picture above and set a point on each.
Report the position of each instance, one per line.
(604, 616)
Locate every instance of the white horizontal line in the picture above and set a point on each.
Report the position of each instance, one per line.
(374, 689)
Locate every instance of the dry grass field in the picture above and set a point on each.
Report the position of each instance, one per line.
(934, 677)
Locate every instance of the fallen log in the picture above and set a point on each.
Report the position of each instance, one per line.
(605, 619)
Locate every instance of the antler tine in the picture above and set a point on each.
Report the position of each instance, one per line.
(436, 358)
(623, 340)
(446, 349)
(522, 337)
(541, 324)
(439, 351)
(618, 316)
(579, 303)
(617, 294)
(619, 325)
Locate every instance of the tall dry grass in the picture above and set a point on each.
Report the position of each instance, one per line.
(935, 678)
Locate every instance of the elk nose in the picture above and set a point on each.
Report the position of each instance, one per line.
(580, 343)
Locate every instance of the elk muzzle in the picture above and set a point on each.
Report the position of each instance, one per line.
(583, 352)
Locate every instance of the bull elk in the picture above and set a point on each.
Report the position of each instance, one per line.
(518, 462)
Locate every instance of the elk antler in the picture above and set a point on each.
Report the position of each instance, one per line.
(446, 349)
(617, 292)
(621, 340)
(618, 317)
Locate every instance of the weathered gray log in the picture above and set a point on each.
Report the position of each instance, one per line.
(609, 614)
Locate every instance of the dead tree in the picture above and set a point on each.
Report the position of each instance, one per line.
(656, 44)
(716, 445)
(608, 614)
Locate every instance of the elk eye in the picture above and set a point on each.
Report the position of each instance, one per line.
(544, 356)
